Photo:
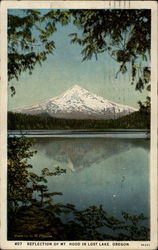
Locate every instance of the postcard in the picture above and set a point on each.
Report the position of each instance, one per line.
(78, 125)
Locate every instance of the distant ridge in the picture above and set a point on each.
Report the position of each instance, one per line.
(78, 103)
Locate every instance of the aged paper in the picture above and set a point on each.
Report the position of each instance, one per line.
(95, 197)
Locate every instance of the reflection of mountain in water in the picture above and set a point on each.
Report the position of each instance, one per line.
(80, 153)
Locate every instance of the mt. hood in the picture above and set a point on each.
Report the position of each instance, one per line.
(78, 103)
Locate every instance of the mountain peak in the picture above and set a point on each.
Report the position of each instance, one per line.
(76, 88)
(79, 103)
(74, 93)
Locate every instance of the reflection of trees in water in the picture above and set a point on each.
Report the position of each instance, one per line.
(80, 153)
(31, 218)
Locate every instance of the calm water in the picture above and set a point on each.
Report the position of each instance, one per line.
(111, 172)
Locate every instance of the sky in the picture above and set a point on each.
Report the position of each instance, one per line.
(64, 68)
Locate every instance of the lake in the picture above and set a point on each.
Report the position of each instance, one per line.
(112, 172)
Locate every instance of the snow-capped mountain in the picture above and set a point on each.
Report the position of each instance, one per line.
(78, 103)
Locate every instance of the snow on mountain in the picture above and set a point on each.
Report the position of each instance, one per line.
(78, 103)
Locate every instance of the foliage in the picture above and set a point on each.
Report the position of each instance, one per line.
(86, 223)
(136, 120)
(22, 183)
(123, 34)
(18, 154)
(30, 39)
(33, 215)
(146, 106)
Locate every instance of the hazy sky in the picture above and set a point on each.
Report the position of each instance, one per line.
(65, 68)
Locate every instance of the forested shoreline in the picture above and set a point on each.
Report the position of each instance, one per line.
(18, 121)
